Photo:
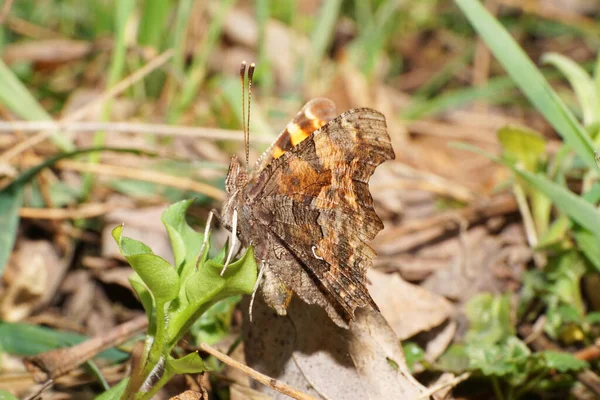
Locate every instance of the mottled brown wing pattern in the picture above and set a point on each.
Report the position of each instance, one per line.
(315, 199)
(311, 117)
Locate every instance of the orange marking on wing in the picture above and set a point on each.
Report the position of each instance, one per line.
(297, 134)
(277, 152)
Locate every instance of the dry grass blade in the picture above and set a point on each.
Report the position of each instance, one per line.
(155, 129)
(147, 176)
(55, 363)
(264, 379)
(82, 212)
(5, 10)
(452, 383)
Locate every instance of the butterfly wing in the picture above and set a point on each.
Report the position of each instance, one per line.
(311, 117)
(315, 201)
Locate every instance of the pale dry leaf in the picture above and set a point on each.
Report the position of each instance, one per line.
(118, 276)
(241, 392)
(374, 346)
(188, 395)
(439, 339)
(409, 309)
(478, 257)
(33, 275)
(308, 351)
(141, 224)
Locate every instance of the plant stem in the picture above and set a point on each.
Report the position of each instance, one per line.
(497, 390)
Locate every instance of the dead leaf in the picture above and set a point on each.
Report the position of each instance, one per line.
(32, 278)
(409, 309)
(308, 351)
(188, 395)
(143, 224)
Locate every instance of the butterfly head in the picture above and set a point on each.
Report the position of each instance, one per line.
(236, 180)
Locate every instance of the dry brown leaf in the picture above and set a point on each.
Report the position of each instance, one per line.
(409, 309)
(32, 278)
(311, 353)
(188, 395)
(240, 392)
(143, 224)
(480, 263)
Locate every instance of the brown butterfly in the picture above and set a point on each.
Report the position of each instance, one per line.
(306, 207)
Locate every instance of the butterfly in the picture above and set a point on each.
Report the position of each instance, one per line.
(306, 207)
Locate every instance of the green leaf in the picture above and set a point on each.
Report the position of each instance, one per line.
(185, 241)
(489, 317)
(556, 234)
(413, 353)
(564, 273)
(563, 362)
(582, 84)
(4, 395)
(143, 294)
(10, 203)
(593, 318)
(215, 323)
(508, 359)
(189, 364)
(15, 96)
(525, 145)
(454, 359)
(115, 392)
(589, 245)
(29, 340)
(206, 286)
(529, 79)
(159, 276)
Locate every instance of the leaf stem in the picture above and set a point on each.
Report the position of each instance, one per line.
(497, 389)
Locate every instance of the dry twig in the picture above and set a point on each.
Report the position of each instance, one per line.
(264, 379)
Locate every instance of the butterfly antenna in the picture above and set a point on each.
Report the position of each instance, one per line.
(242, 76)
(250, 75)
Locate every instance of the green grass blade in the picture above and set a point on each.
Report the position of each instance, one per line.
(153, 23)
(322, 32)
(15, 96)
(529, 79)
(371, 42)
(124, 12)
(29, 340)
(577, 208)
(197, 72)
(580, 81)
(182, 16)
(114, 393)
(496, 91)
(10, 202)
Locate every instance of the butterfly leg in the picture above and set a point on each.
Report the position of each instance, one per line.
(258, 279)
(206, 233)
(233, 241)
